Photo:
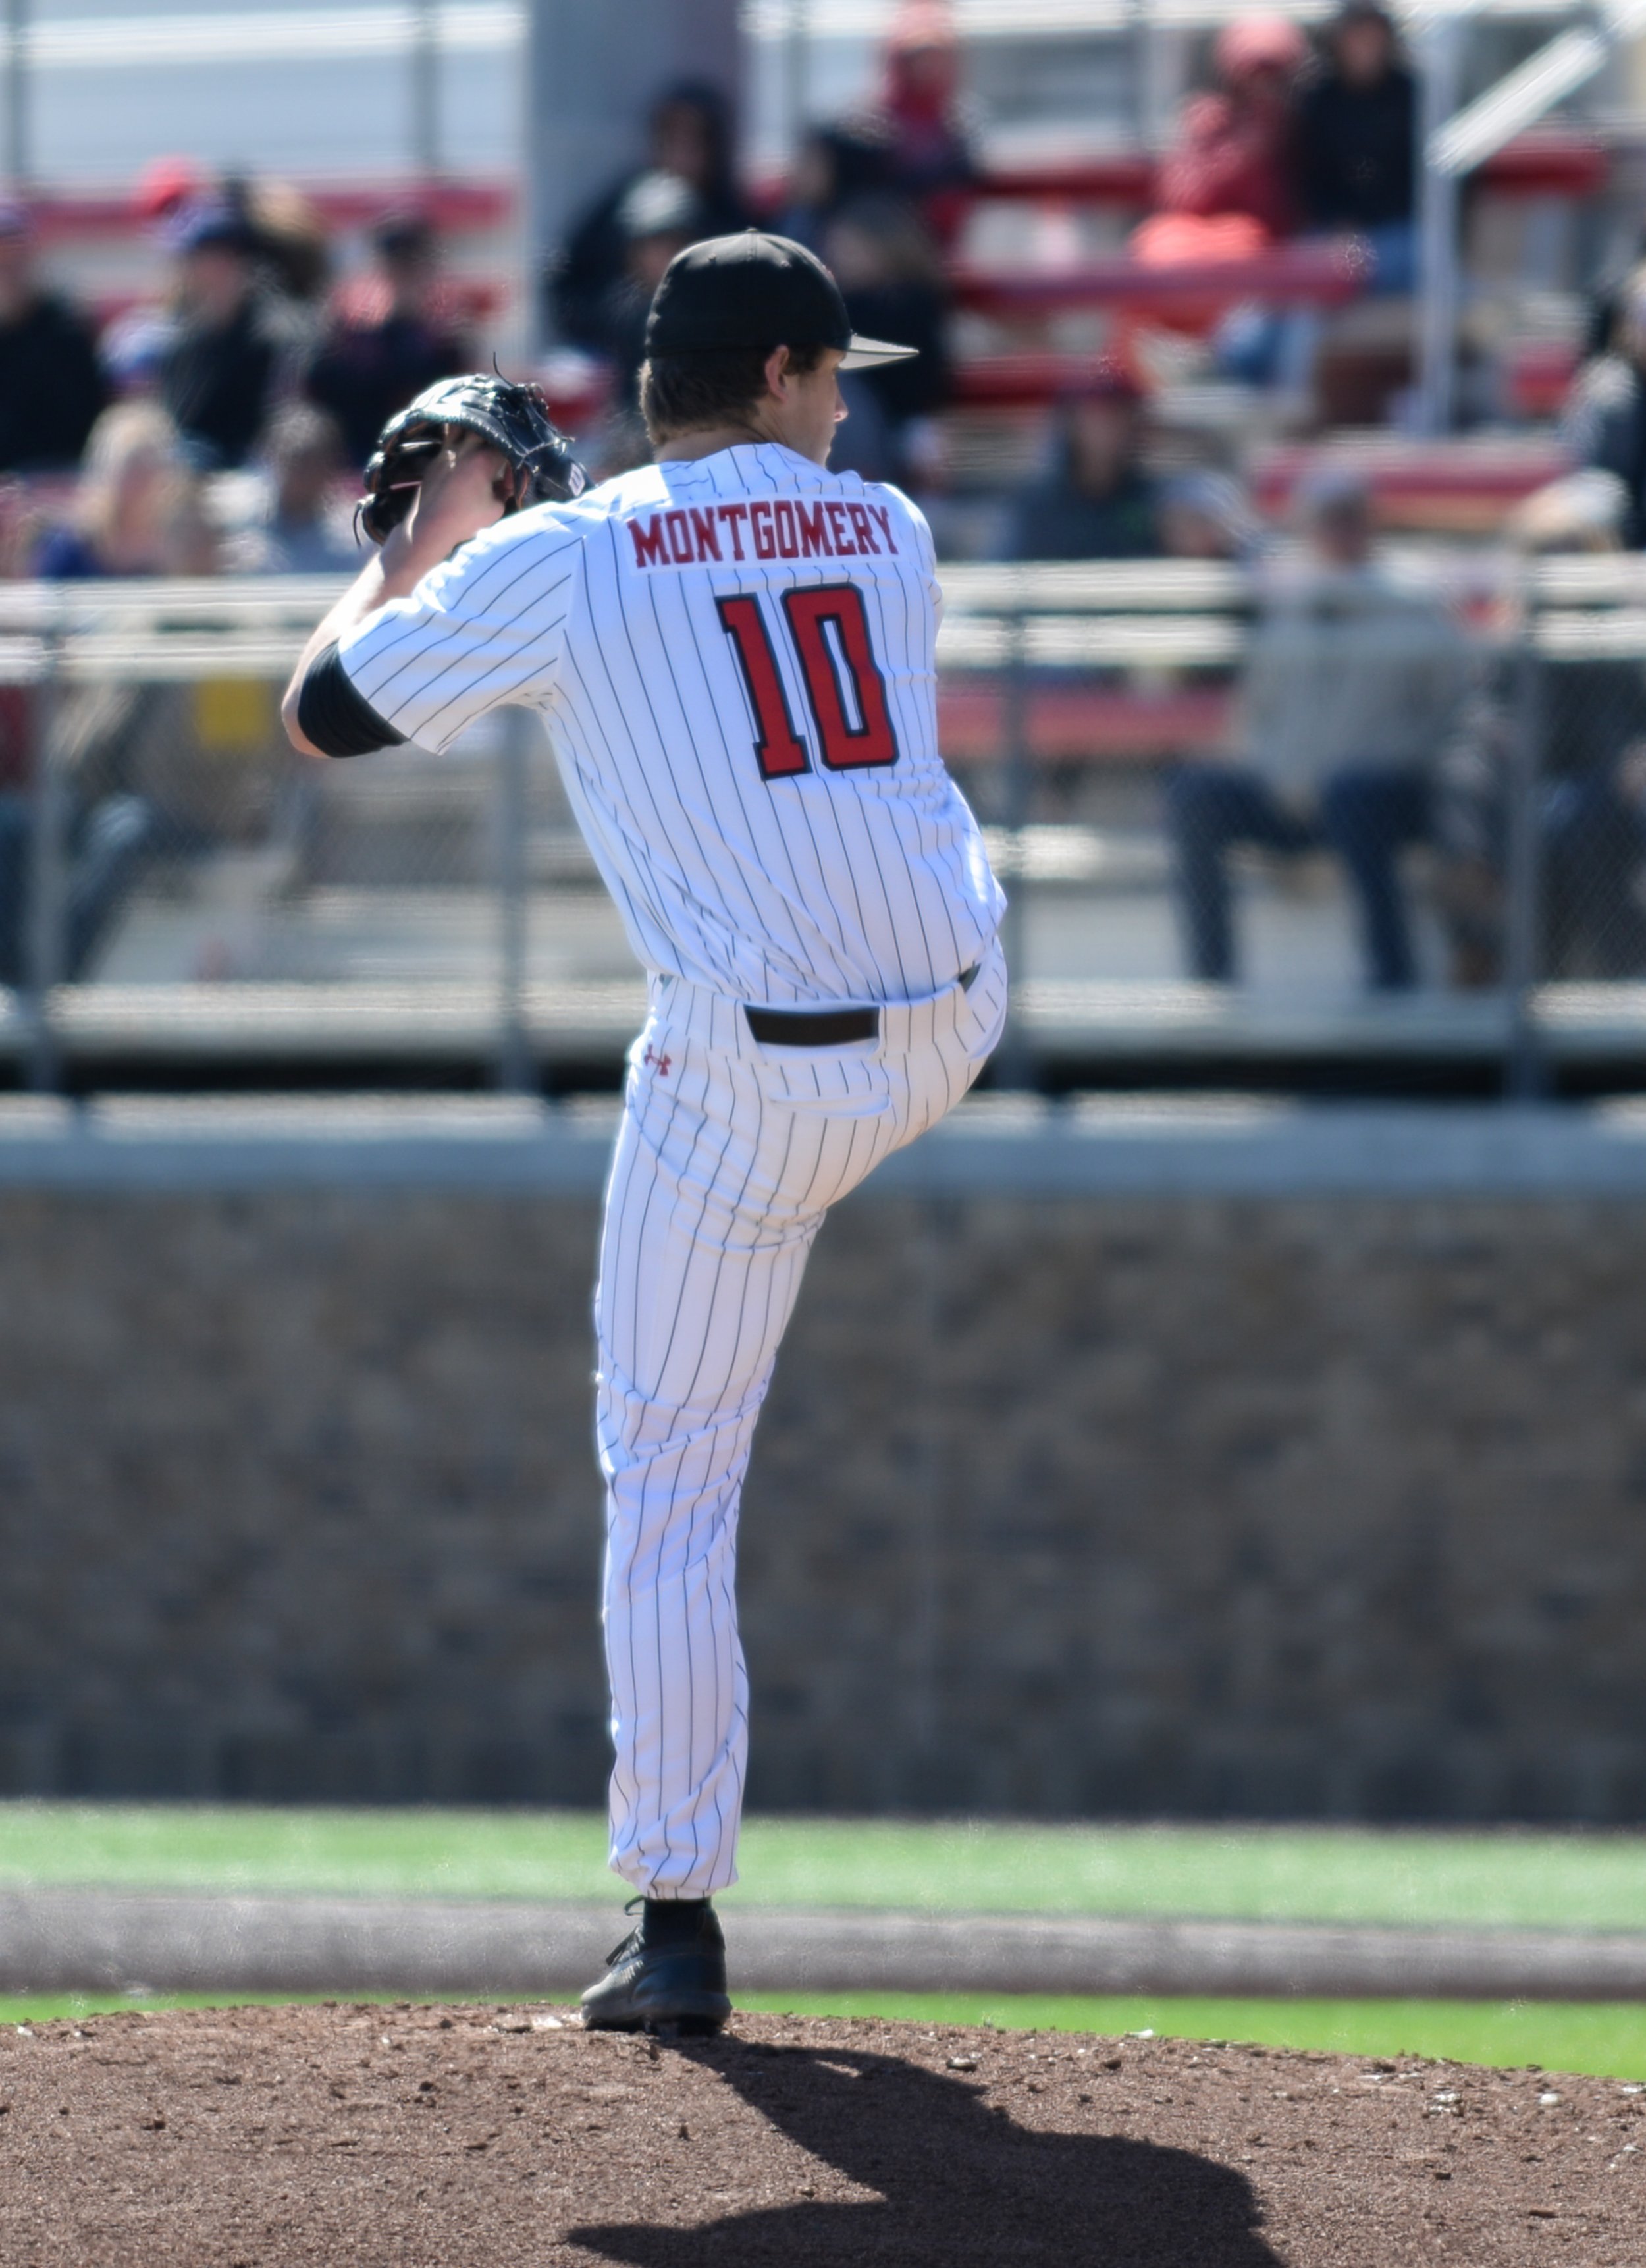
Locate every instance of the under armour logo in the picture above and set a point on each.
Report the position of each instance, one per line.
(662, 1062)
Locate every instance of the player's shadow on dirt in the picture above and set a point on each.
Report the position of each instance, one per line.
(959, 2180)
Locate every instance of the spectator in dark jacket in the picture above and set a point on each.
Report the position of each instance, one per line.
(659, 216)
(1605, 417)
(688, 134)
(385, 349)
(888, 270)
(834, 166)
(1100, 502)
(51, 389)
(219, 373)
(1357, 143)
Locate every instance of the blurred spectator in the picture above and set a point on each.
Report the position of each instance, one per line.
(1605, 417)
(1100, 501)
(1349, 691)
(688, 134)
(288, 234)
(137, 508)
(392, 343)
(1228, 189)
(51, 388)
(889, 272)
(923, 119)
(660, 215)
(1590, 769)
(835, 165)
(133, 351)
(1357, 143)
(1206, 515)
(219, 372)
(1236, 150)
(303, 529)
(137, 513)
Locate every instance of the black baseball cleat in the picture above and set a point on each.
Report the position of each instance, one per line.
(669, 1974)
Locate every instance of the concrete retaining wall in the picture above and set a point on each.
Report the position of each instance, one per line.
(1246, 1463)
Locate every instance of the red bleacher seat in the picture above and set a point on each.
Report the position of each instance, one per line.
(1287, 275)
(1466, 485)
(456, 208)
(1080, 723)
(1549, 161)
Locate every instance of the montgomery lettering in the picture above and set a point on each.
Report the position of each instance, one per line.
(783, 527)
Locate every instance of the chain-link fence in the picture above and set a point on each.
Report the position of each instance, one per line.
(1391, 810)
(177, 885)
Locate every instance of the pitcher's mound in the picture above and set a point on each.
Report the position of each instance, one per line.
(478, 2138)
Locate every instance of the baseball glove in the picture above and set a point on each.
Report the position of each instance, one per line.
(512, 419)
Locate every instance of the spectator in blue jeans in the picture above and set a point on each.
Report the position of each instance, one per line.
(1350, 688)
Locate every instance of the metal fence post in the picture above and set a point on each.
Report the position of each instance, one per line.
(425, 89)
(46, 906)
(19, 161)
(1438, 212)
(1525, 1072)
(1012, 1063)
(797, 75)
(514, 1068)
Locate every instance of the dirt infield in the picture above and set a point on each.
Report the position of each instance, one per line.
(419, 2137)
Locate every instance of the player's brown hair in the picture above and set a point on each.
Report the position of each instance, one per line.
(694, 392)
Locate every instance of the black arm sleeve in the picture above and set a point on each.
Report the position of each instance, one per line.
(333, 716)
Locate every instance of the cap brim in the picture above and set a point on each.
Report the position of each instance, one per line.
(865, 354)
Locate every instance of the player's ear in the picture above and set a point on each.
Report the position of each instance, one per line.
(778, 373)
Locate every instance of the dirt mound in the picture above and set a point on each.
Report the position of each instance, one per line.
(477, 2138)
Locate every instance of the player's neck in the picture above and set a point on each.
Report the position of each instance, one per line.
(683, 448)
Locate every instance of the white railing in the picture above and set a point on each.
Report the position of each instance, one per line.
(1012, 630)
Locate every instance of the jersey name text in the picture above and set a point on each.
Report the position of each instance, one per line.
(781, 528)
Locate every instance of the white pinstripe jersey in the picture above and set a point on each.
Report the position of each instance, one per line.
(735, 659)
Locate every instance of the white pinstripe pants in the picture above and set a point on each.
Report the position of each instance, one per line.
(729, 1156)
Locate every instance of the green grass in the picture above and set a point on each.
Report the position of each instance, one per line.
(1609, 2042)
(1586, 1881)
(1559, 2035)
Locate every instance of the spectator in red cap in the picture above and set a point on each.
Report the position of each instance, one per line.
(1100, 501)
(51, 388)
(1235, 150)
(165, 184)
(923, 118)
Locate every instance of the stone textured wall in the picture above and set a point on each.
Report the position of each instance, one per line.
(1198, 1503)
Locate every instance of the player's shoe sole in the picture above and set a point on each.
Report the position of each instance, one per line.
(680, 1988)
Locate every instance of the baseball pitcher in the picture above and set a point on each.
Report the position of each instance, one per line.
(733, 652)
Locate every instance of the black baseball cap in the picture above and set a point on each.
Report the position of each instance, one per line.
(755, 291)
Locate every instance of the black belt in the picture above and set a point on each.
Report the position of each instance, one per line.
(823, 1028)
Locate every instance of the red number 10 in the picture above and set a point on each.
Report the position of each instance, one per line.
(829, 629)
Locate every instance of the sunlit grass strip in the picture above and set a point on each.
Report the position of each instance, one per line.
(1605, 2040)
(1344, 1874)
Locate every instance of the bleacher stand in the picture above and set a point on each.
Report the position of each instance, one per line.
(1072, 403)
